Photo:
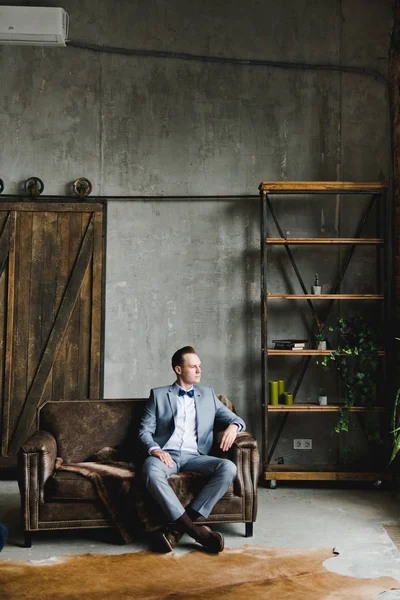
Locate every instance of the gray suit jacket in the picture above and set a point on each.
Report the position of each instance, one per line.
(158, 422)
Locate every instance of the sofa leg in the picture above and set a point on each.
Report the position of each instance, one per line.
(249, 529)
(27, 539)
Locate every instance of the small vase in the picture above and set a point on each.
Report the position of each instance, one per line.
(322, 400)
(316, 289)
(321, 345)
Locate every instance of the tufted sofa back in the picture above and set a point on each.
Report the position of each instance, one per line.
(83, 427)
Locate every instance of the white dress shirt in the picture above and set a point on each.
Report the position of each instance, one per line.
(184, 438)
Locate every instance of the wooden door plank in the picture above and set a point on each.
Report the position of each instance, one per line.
(84, 333)
(50, 259)
(8, 366)
(35, 299)
(61, 284)
(4, 253)
(40, 206)
(97, 290)
(69, 300)
(22, 295)
(5, 243)
(3, 216)
(71, 337)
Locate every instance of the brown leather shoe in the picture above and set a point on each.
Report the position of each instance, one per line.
(213, 541)
(166, 540)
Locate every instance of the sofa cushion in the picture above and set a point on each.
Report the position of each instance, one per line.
(64, 485)
(69, 486)
(69, 515)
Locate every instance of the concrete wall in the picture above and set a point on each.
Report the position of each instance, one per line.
(187, 272)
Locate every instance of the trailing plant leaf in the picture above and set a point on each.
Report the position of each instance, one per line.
(348, 453)
(356, 360)
(374, 436)
(395, 428)
(396, 448)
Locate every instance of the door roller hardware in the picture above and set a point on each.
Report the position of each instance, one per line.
(34, 186)
(82, 187)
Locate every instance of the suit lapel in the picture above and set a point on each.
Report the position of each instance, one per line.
(173, 402)
(200, 416)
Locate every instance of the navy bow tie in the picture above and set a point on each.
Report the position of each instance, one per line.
(183, 392)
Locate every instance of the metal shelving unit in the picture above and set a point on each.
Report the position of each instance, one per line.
(378, 192)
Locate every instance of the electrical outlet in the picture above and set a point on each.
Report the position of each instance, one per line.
(302, 444)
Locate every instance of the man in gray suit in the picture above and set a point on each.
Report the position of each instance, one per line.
(177, 432)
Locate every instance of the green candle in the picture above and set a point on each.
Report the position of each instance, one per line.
(288, 398)
(281, 390)
(273, 392)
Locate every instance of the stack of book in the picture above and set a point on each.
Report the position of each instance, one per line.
(290, 344)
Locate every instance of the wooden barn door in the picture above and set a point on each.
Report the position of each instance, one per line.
(51, 296)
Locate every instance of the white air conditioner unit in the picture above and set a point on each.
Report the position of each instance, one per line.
(33, 25)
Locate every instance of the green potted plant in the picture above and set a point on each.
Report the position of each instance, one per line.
(321, 340)
(356, 360)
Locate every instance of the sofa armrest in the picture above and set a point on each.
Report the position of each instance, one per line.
(244, 453)
(40, 441)
(36, 460)
(245, 440)
(44, 444)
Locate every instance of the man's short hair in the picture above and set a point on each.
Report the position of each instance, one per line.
(177, 359)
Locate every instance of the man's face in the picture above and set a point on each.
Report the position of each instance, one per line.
(190, 371)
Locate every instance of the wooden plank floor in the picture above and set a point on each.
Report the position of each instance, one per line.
(394, 533)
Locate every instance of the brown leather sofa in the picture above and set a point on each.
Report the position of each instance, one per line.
(53, 499)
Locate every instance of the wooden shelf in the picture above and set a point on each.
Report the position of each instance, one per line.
(322, 241)
(322, 473)
(325, 296)
(317, 408)
(323, 186)
(310, 352)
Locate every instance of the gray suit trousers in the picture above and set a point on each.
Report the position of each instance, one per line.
(221, 473)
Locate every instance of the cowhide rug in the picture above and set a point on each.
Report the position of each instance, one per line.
(248, 572)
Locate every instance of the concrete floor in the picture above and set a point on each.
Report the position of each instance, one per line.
(351, 520)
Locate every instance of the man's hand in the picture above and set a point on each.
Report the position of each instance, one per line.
(228, 437)
(165, 457)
